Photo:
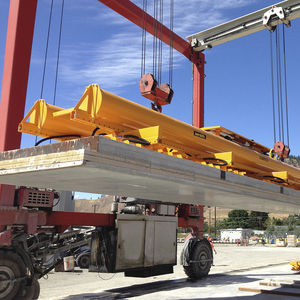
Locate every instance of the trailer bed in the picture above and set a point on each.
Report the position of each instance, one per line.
(100, 165)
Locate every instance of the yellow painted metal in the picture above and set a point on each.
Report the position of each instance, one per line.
(117, 118)
(295, 265)
(232, 136)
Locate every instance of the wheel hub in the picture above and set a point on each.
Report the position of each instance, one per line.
(6, 281)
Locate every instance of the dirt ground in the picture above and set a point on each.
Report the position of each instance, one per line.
(234, 267)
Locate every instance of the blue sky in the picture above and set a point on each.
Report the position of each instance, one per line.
(99, 46)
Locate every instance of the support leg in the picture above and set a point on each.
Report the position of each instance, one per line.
(20, 29)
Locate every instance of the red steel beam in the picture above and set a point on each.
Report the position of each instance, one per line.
(15, 216)
(137, 16)
(63, 218)
(20, 29)
(198, 119)
(198, 92)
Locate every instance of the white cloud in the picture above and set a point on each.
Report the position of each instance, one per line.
(116, 62)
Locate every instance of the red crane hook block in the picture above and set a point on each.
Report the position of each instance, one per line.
(281, 150)
(161, 95)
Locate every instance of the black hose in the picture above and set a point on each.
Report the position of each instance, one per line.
(56, 137)
(215, 161)
(135, 139)
(95, 130)
(275, 179)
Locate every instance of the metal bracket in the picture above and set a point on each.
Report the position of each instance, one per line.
(273, 12)
(196, 43)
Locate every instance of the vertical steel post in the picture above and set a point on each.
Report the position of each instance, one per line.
(19, 38)
(198, 110)
(198, 91)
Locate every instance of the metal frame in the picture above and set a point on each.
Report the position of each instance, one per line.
(20, 29)
(268, 17)
(15, 77)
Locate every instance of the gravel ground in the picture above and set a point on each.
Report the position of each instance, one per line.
(233, 267)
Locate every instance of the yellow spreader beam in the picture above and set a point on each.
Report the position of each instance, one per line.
(100, 112)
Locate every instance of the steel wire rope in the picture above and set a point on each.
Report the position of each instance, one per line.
(285, 85)
(58, 49)
(159, 64)
(45, 61)
(279, 84)
(272, 82)
(154, 37)
(58, 54)
(46, 50)
(144, 39)
(171, 43)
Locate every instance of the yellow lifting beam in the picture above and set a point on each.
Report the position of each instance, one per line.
(101, 112)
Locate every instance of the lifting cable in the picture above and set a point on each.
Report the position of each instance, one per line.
(159, 63)
(57, 64)
(144, 39)
(285, 86)
(45, 57)
(58, 49)
(154, 55)
(157, 46)
(272, 81)
(171, 43)
(279, 107)
(46, 50)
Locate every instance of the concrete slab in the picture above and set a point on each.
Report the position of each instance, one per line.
(99, 165)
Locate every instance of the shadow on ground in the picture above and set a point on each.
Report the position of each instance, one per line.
(164, 285)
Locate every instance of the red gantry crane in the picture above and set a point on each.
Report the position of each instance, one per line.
(30, 231)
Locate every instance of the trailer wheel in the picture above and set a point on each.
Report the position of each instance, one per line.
(200, 260)
(32, 291)
(83, 261)
(12, 270)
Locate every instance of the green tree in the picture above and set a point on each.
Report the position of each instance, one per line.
(257, 220)
(237, 218)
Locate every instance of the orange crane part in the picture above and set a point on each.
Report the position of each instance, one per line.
(160, 95)
(101, 112)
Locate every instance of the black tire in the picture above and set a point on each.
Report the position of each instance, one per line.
(32, 291)
(11, 267)
(83, 261)
(195, 269)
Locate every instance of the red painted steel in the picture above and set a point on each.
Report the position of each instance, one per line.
(15, 216)
(136, 15)
(198, 92)
(64, 218)
(198, 121)
(20, 29)
(6, 237)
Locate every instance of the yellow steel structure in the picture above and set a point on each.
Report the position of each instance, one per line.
(100, 112)
(295, 265)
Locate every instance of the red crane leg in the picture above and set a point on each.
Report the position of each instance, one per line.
(198, 121)
(20, 29)
(198, 92)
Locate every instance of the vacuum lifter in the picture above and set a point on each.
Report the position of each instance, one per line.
(103, 113)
